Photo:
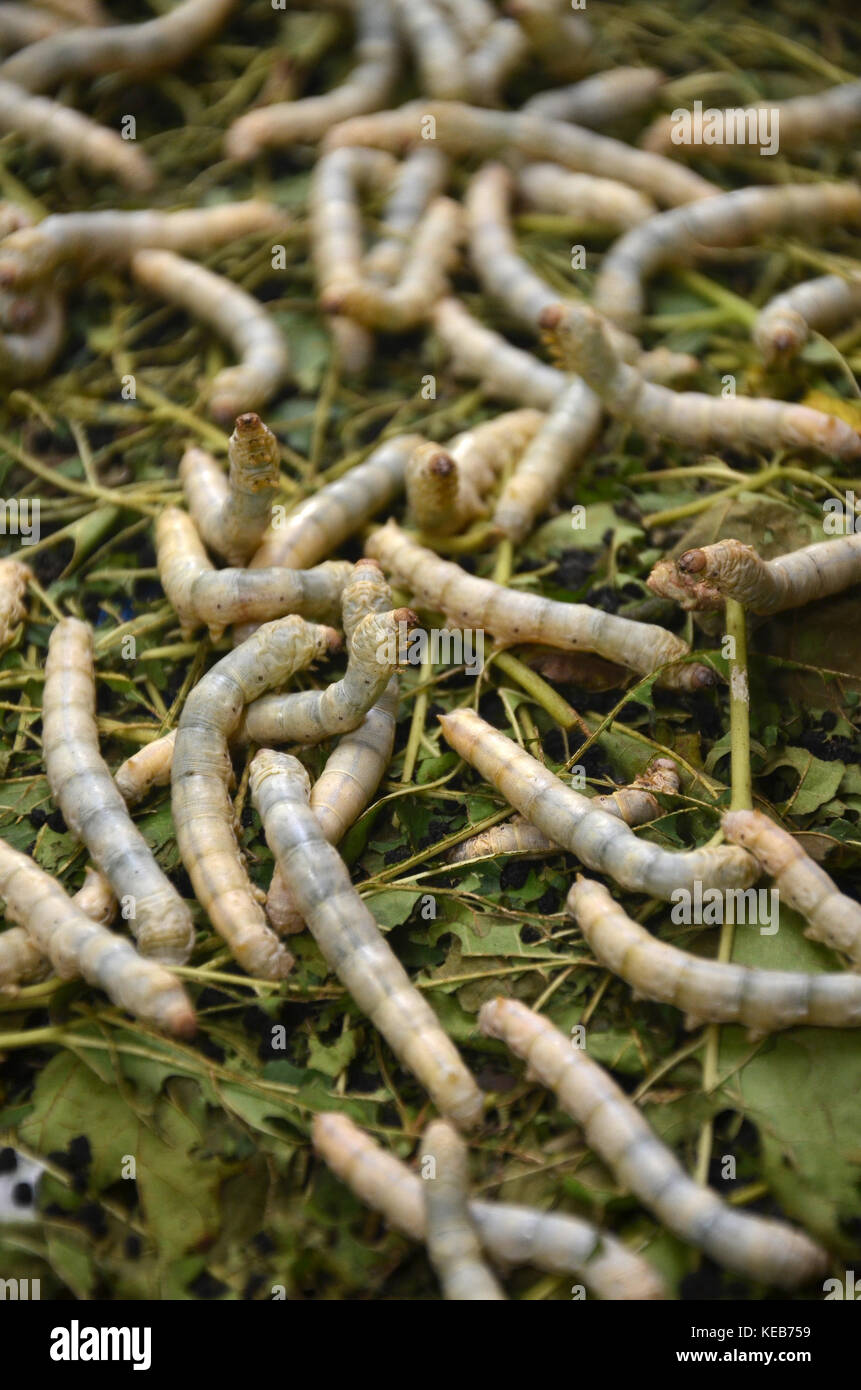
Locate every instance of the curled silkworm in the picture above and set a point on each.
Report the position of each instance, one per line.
(829, 115)
(20, 957)
(437, 50)
(560, 39)
(802, 885)
(202, 811)
(96, 897)
(27, 354)
(14, 578)
(75, 945)
(729, 220)
(232, 513)
(547, 460)
(350, 939)
(19, 26)
(418, 179)
(149, 767)
(366, 89)
(86, 240)
(601, 99)
(92, 806)
(514, 1235)
(133, 48)
(824, 304)
(761, 1248)
(478, 354)
(584, 196)
(74, 137)
(199, 593)
(492, 61)
(235, 315)
(448, 487)
(336, 220)
(453, 1244)
(513, 616)
(580, 337)
(601, 841)
(764, 1001)
(731, 569)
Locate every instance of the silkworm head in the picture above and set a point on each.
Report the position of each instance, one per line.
(269, 763)
(692, 562)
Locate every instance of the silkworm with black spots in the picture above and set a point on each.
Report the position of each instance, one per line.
(731, 569)
(513, 616)
(452, 1240)
(231, 514)
(14, 578)
(548, 460)
(75, 138)
(821, 305)
(551, 188)
(350, 939)
(448, 487)
(758, 1247)
(829, 115)
(599, 100)
(601, 841)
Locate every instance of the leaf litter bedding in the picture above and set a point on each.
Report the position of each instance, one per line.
(641, 720)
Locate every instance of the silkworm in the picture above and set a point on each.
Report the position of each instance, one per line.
(492, 61)
(200, 594)
(438, 53)
(461, 129)
(14, 578)
(561, 40)
(231, 514)
(802, 885)
(824, 304)
(415, 182)
(87, 240)
(336, 220)
(78, 11)
(452, 1240)
(731, 569)
(758, 1247)
(75, 945)
(448, 487)
(149, 767)
(764, 1001)
(74, 137)
(580, 337)
(732, 219)
(471, 18)
(514, 617)
(130, 48)
(304, 122)
(829, 115)
(26, 355)
(504, 372)
(20, 959)
(350, 940)
(19, 26)
(256, 339)
(202, 811)
(601, 841)
(552, 1241)
(92, 806)
(599, 100)
(550, 188)
(96, 897)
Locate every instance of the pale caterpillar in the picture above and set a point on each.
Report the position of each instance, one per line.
(829, 115)
(14, 578)
(504, 371)
(824, 304)
(471, 18)
(19, 26)
(366, 89)
(200, 594)
(832, 917)
(514, 617)
(86, 240)
(552, 1241)
(232, 513)
(453, 1244)
(74, 137)
(77, 11)
(20, 958)
(351, 941)
(75, 945)
(731, 569)
(732, 219)
(709, 991)
(474, 130)
(414, 183)
(235, 315)
(601, 99)
(149, 767)
(129, 48)
(492, 61)
(584, 196)
(96, 897)
(93, 808)
(437, 49)
(447, 487)
(27, 353)
(601, 841)
(763, 1249)
(203, 814)
(580, 336)
(560, 39)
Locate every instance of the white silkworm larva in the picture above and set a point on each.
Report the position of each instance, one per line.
(420, 178)
(366, 89)
(478, 354)
(203, 814)
(452, 1240)
(130, 48)
(601, 841)
(76, 945)
(824, 304)
(19, 26)
(93, 808)
(731, 569)
(732, 219)
(14, 578)
(336, 219)
(20, 958)
(829, 115)
(436, 47)
(26, 355)
(560, 39)
(448, 487)
(550, 188)
(231, 514)
(235, 315)
(474, 130)
(351, 941)
(580, 336)
(601, 99)
(514, 1235)
(96, 897)
(514, 617)
(832, 917)
(200, 594)
(149, 767)
(493, 60)
(709, 991)
(86, 240)
(74, 137)
(763, 1249)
